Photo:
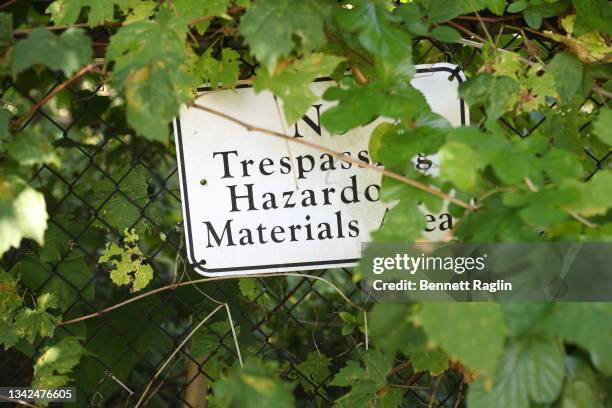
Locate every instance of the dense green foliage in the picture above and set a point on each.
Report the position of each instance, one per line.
(88, 193)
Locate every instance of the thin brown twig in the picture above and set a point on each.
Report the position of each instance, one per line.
(488, 19)
(8, 3)
(17, 401)
(484, 27)
(174, 286)
(523, 29)
(337, 155)
(602, 91)
(51, 94)
(399, 368)
(86, 25)
(67, 26)
(465, 30)
(476, 44)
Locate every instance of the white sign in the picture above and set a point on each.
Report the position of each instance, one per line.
(254, 203)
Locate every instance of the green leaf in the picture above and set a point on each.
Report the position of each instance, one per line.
(207, 339)
(33, 147)
(68, 11)
(57, 242)
(517, 6)
(151, 67)
(445, 34)
(67, 52)
(359, 105)
(413, 19)
(56, 362)
(249, 288)
(269, 27)
(257, 381)
(472, 333)
(369, 385)
(31, 323)
(391, 329)
(135, 10)
(402, 223)
(68, 279)
(224, 72)
(195, 9)
(123, 209)
(561, 165)
(433, 360)
(576, 323)
(438, 11)
(595, 14)
(315, 368)
(533, 17)
(375, 30)
(596, 194)
(5, 117)
(8, 337)
(525, 316)
(530, 370)
(567, 71)
(496, 6)
(459, 164)
(603, 126)
(23, 213)
(10, 300)
(489, 91)
(581, 388)
(6, 30)
(130, 267)
(292, 83)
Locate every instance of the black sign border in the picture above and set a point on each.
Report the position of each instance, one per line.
(199, 265)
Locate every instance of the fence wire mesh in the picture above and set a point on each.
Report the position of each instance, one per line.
(111, 181)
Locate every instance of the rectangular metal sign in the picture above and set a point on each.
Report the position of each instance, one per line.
(254, 203)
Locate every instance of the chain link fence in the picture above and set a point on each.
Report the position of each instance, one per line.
(110, 181)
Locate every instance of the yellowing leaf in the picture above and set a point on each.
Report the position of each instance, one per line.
(56, 362)
(151, 66)
(591, 48)
(216, 73)
(68, 11)
(129, 263)
(30, 323)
